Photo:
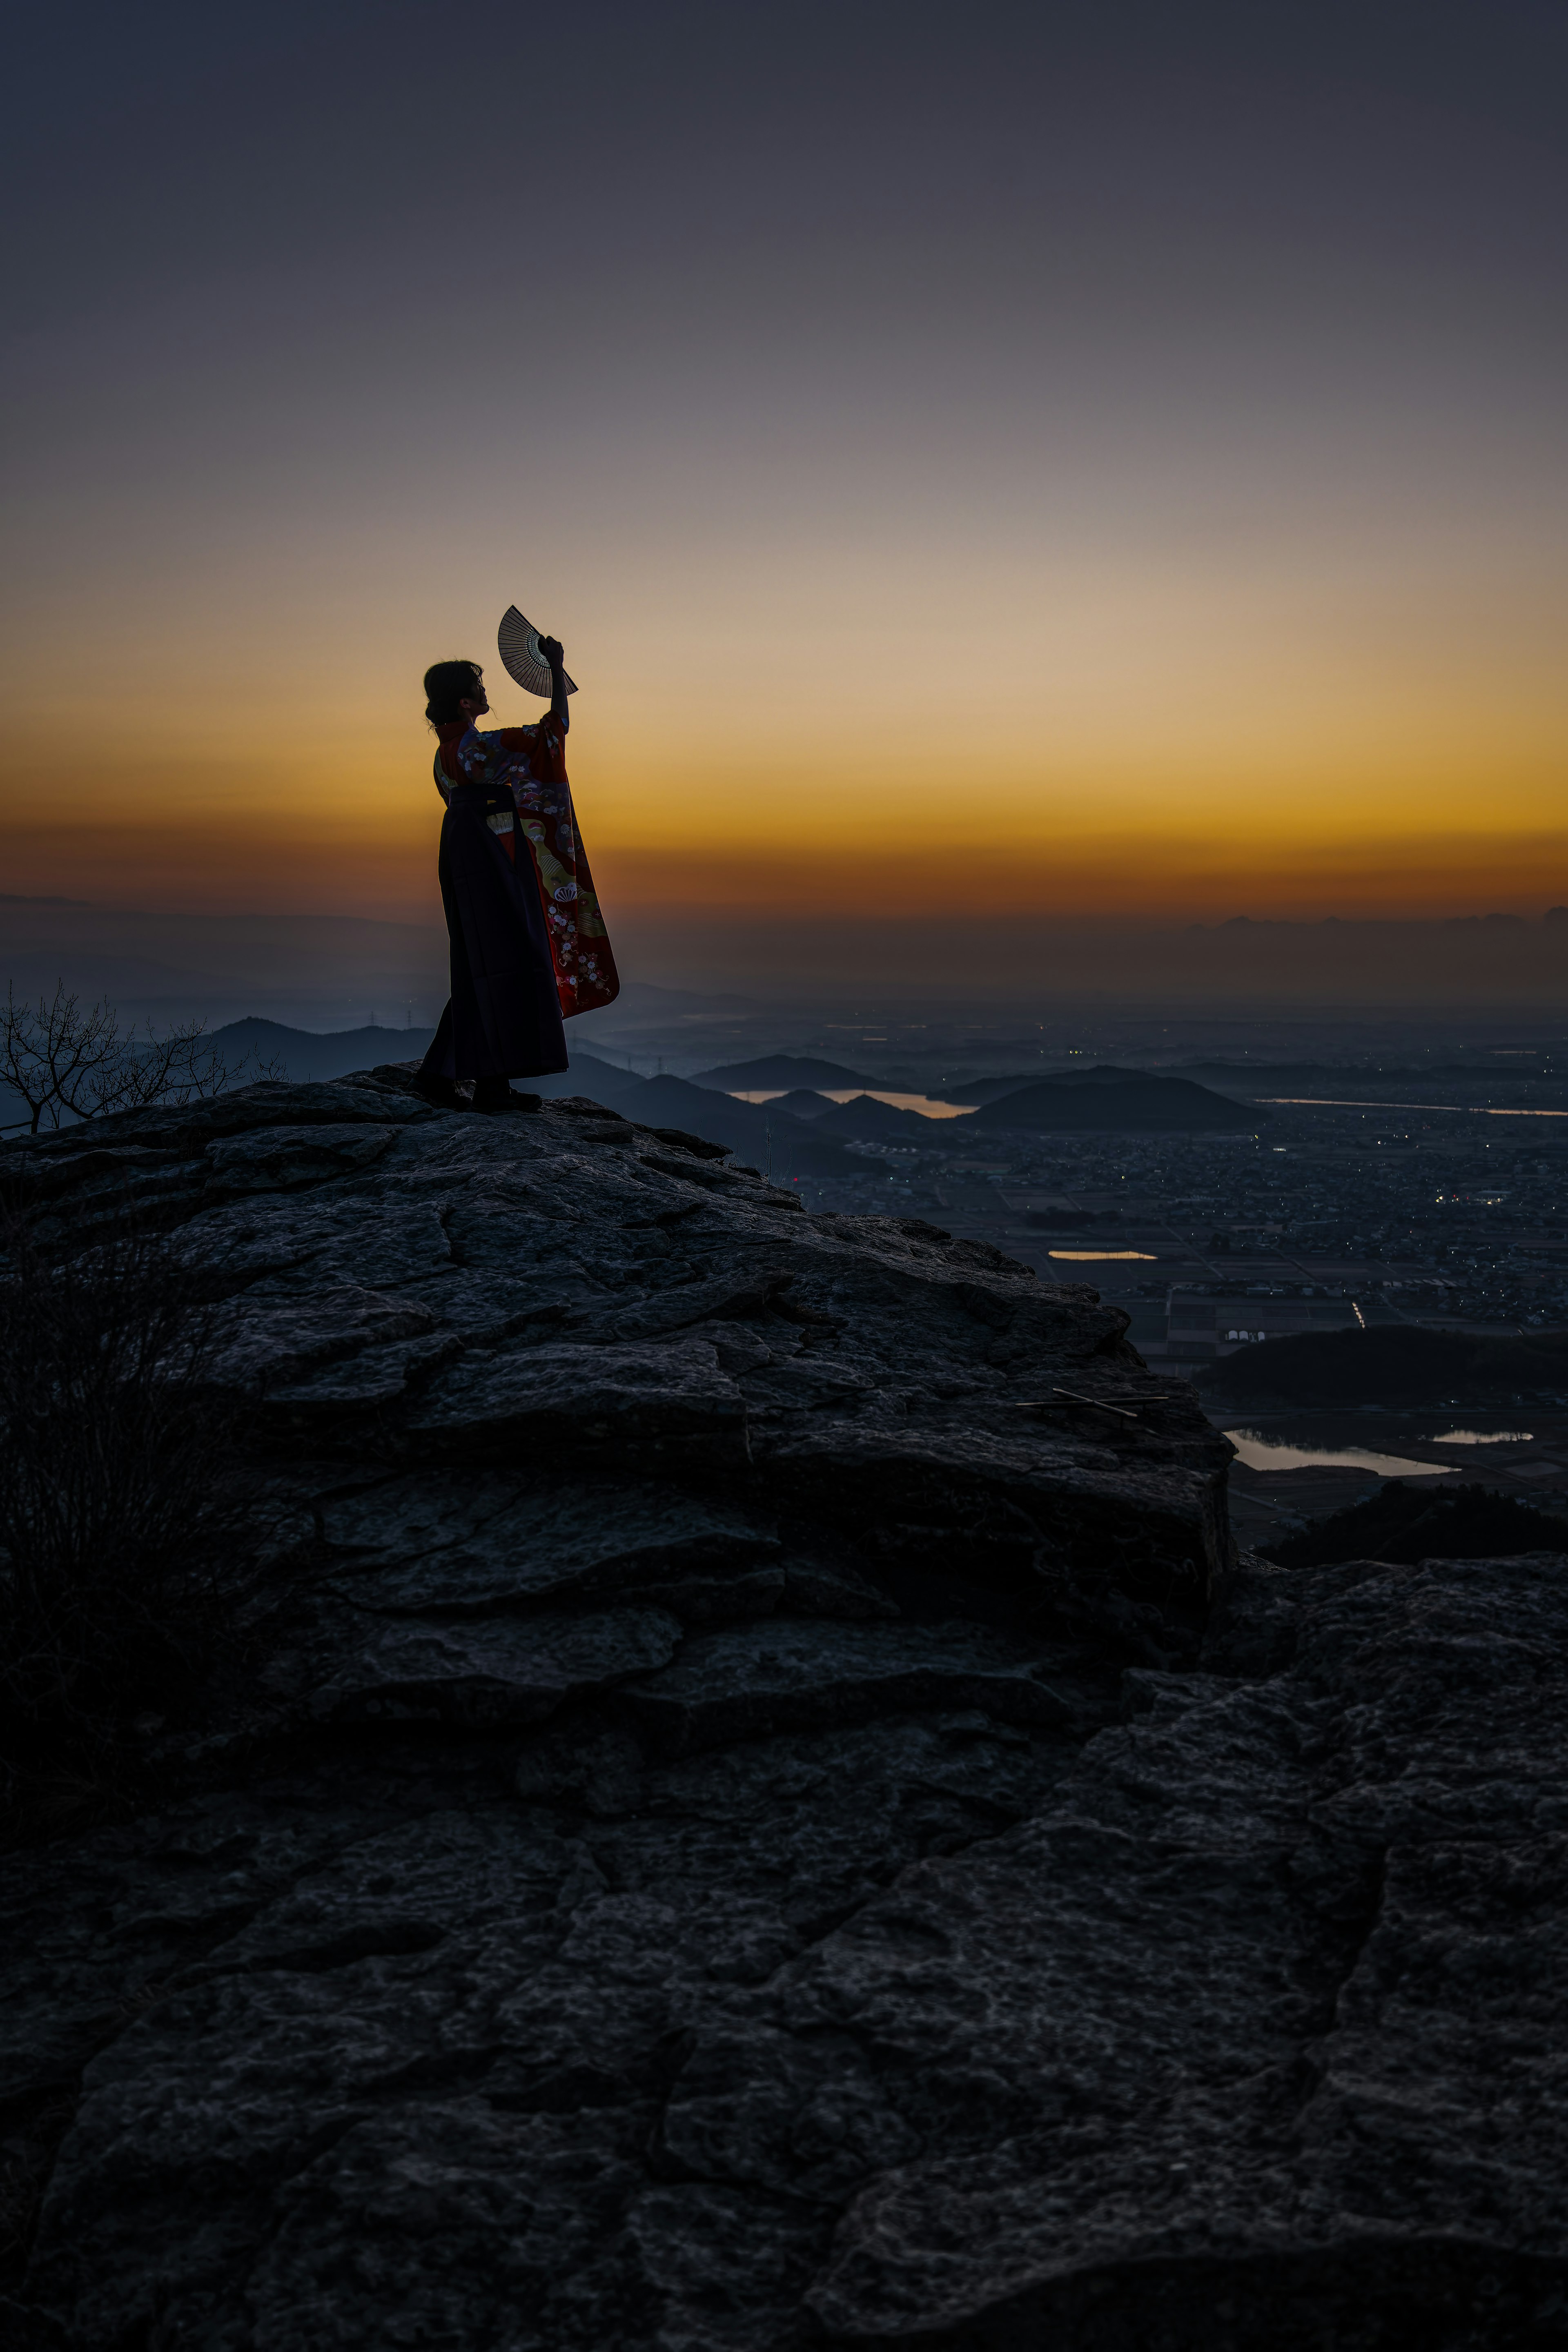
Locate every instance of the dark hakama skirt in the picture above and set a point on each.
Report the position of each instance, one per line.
(503, 1019)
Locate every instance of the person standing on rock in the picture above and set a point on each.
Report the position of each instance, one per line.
(528, 942)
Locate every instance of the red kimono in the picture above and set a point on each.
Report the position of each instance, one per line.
(528, 765)
(529, 944)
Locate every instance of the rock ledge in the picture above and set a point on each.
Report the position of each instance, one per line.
(769, 1827)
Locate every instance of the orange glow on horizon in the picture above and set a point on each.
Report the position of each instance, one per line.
(1143, 738)
(287, 828)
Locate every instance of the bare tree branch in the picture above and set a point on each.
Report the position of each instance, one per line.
(53, 1049)
(68, 1063)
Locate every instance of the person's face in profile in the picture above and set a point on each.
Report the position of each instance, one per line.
(474, 706)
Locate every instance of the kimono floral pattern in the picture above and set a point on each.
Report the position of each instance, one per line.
(523, 772)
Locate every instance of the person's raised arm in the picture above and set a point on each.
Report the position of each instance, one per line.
(550, 648)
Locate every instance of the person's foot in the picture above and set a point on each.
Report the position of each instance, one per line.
(441, 1093)
(495, 1094)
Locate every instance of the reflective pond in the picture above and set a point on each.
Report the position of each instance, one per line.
(1383, 1445)
(1260, 1453)
(924, 1104)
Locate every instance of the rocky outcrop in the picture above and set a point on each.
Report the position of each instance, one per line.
(771, 1824)
(592, 1299)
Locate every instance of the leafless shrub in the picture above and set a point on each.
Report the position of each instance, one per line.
(67, 1063)
(125, 1524)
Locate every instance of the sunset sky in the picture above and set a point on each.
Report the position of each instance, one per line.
(1089, 458)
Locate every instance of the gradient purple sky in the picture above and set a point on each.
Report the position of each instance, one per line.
(1106, 459)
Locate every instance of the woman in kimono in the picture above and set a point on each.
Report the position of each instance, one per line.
(529, 946)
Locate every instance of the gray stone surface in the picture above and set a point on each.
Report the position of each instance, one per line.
(748, 1681)
(517, 1670)
(279, 1159)
(459, 1542)
(623, 1404)
(743, 1840)
(1343, 1943)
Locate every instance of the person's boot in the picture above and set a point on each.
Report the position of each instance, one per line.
(495, 1094)
(440, 1093)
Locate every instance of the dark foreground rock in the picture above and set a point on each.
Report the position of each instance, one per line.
(752, 1839)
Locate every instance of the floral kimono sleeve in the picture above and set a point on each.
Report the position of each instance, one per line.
(543, 749)
(536, 765)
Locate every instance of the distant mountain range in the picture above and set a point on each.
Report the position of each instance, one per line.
(776, 1135)
(1100, 1074)
(984, 1090)
(784, 1071)
(801, 1132)
(307, 1054)
(767, 1137)
(1102, 1100)
(310, 1055)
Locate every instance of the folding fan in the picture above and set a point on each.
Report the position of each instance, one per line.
(517, 641)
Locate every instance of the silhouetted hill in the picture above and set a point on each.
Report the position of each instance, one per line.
(311, 1055)
(1127, 1102)
(1396, 1365)
(601, 1081)
(987, 1090)
(1248, 1079)
(1267, 1077)
(802, 1102)
(990, 1090)
(1407, 1523)
(867, 1121)
(757, 1134)
(785, 1070)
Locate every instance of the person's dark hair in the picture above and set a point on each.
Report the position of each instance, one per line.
(446, 685)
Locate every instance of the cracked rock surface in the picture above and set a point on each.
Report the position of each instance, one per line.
(766, 1827)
